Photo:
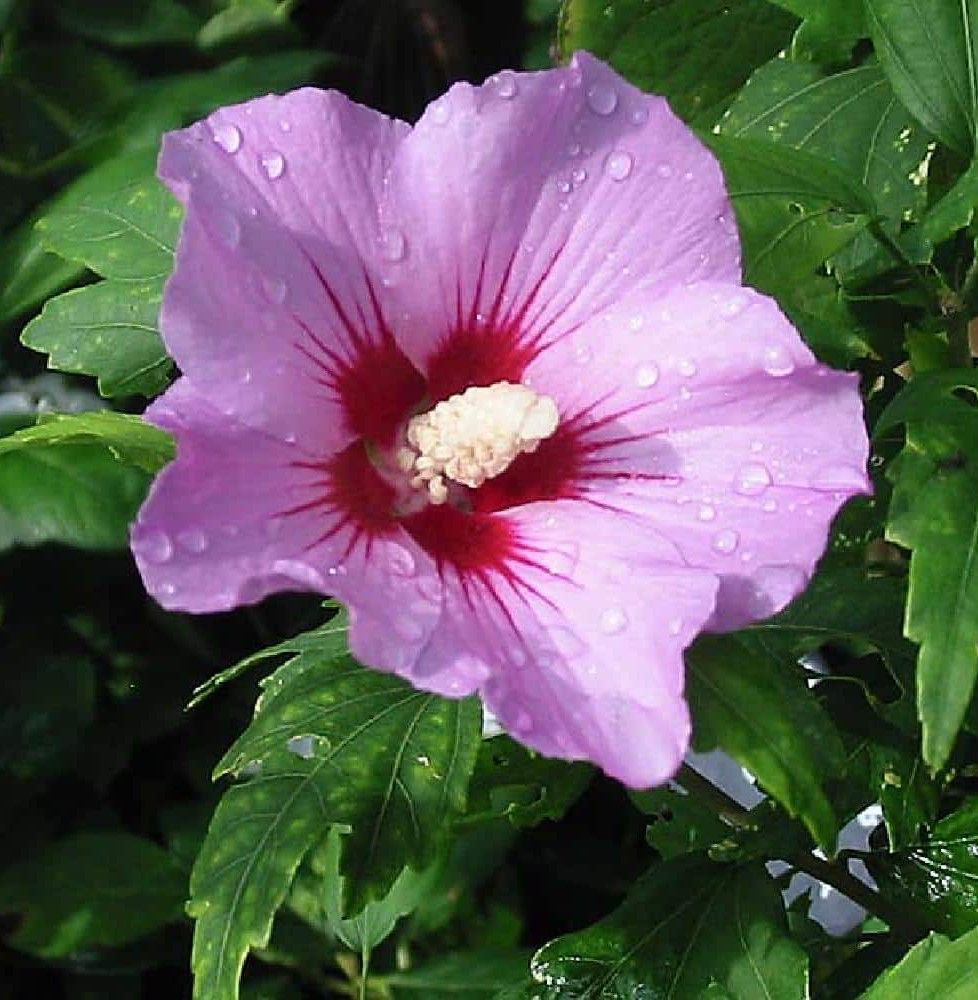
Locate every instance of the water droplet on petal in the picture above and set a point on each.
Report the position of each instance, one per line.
(707, 512)
(583, 355)
(777, 361)
(440, 112)
(228, 137)
(675, 626)
(393, 244)
(618, 165)
(725, 541)
(273, 164)
(664, 170)
(574, 149)
(613, 620)
(193, 540)
(839, 477)
(154, 546)
(302, 746)
(275, 289)
(687, 368)
(285, 126)
(752, 479)
(400, 561)
(734, 306)
(769, 506)
(564, 187)
(579, 176)
(602, 98)
(636, 322)
(639, 116)
(646, 375)
(506, 85)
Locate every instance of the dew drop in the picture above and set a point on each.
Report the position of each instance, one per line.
(574, 149)
(646, 375)
(618, 165)
(273, 164)
(579, 176)
(684, 394)
(687, 368)
(228, 137)
(602, 98)
(639, 116)
(734, 307)
(440, 113)
(613, 620)
(636, 322)
(839, 477)
(276, 289)
(506, 85)
(564, 187)
(193, 540)
(583, 355)
(393, 245)
(752, 479)
(777, 361)
(707, 512)
(664, 170)
(769, 506)
(726, 541)
(302, 746)
(285, 126)
(675, 626)
(400, 561)
(154, 546)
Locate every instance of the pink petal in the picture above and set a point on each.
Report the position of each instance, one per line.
(721, 429)
(276, 272)
(534, 201)
(229, 522)
(577, 648)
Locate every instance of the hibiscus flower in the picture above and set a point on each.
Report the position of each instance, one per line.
(493, 382)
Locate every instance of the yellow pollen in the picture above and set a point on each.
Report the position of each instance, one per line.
(474, 436)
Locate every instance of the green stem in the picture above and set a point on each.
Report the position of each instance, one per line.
(364, 972)
(722, 804)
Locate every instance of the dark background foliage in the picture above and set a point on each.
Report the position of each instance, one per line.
(848, 135)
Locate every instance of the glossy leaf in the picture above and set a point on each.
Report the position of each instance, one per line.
(933, 513)
(92, 890)
(936, 967)
(695, 52)
(939, 874)
(795, 210)
(331, 743)
(829, 30)
(128, 232)
(127, 438)
(688, 927)
(108, 330)
(731, 686)
(928, 49)
(475, 975)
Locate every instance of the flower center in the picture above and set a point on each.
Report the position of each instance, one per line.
(474, 435)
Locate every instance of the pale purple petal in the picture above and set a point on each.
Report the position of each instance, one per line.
(578, 651)
(728, 436)
(220, 529)
(537, 199)
(278, 256)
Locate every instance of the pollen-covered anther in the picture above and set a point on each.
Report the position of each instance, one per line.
(475, 435)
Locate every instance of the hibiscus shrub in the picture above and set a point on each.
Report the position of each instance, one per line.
(502, 516)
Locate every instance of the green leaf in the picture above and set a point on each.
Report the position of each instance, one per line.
(830, 28)
(513, 782)
(28, 272)
(332, 743)
(954, 212)
(938, 874)
(731, 685)
(126, 232)
(125, 24)
(247, 21)
(795, 210)
(695, 52)
(679, 823)
(935, 968)
(366, 929)
(108, 330)
(686, 930)
(75, 494)
(927, 48)
(933, 513)
(128, 438)
(92, 890)
(852, 119)
(474, 975)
